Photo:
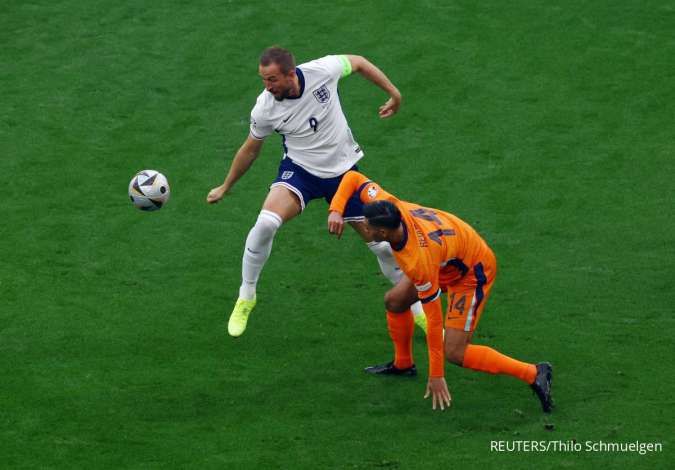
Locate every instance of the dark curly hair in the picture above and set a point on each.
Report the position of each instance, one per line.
(382, 214)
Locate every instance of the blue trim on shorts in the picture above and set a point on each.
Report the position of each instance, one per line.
(312, 187)
(481, 280)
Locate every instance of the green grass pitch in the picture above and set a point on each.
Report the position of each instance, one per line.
(547, 125)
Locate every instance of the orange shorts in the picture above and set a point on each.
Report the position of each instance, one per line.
(468, 295)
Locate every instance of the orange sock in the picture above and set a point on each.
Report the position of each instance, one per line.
(488, 360)
(401, 327)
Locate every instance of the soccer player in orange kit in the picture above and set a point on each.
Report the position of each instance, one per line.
(438, 252)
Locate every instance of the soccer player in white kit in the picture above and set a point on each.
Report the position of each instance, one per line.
(302, 105)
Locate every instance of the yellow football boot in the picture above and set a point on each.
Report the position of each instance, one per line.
(239, 317)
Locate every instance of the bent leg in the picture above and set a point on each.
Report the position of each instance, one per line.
(280, 206)
(401, 296)
(489, 360)
(401, 326)
(459, 351)
(388, 266)
(455, 344)
(283, 202)
(465, 307)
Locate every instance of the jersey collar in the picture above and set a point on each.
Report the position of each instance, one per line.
(301, 79)
(400, 246)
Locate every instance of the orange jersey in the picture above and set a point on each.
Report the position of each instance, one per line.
(438, 249)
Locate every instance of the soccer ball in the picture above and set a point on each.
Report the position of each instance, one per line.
(149, 190)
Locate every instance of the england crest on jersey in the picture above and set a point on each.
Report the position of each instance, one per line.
(322, 94)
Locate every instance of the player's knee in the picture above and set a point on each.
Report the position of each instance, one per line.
(267, 224)
(455, 354)
(394, 304)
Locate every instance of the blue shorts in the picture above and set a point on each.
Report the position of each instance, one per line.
(307, 187)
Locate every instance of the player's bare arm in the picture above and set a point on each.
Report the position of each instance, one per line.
(336, 223)
(364, 67)
(242, 161)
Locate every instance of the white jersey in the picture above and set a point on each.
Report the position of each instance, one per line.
(313, 128)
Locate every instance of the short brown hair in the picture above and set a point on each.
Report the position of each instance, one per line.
(280, 56)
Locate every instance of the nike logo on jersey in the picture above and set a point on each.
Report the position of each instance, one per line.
(284, 120)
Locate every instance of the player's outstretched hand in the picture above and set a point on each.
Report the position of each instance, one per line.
(215, 195)
(438, 389)
(390, 107)
(336, 223)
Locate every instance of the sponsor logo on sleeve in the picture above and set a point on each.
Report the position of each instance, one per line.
(372, 192)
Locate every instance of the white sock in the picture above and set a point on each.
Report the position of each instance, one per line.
(257, 250)
(417, 308)
(385, 258)
(388, 266)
